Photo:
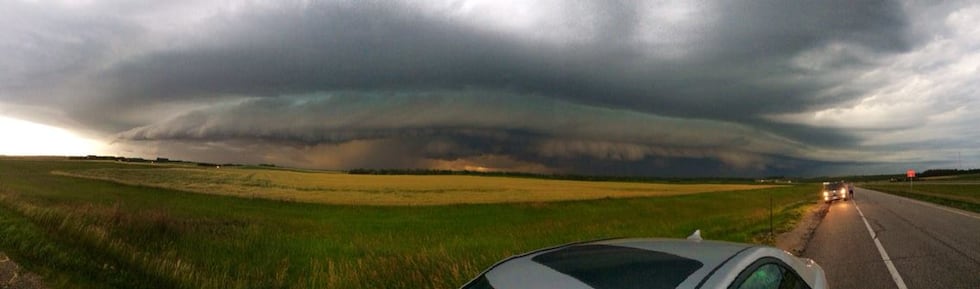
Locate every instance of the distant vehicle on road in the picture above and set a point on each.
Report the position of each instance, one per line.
(833, 191)
(653, 263)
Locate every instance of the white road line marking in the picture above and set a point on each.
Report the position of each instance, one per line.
(881, 250)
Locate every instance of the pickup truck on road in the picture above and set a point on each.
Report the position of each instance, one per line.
(833, 191)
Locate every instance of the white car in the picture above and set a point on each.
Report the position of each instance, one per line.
(651, 264)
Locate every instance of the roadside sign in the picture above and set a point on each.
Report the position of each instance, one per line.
(910, 173)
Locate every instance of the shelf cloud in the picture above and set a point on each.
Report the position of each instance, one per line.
(667, 88)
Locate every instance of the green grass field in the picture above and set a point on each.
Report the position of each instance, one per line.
(961, 192)
(89, 233)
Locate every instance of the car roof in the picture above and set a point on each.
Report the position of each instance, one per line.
(617, 263)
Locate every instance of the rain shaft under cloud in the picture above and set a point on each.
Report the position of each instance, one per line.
(612, 87)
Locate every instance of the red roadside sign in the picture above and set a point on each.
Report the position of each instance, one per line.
(910, 173)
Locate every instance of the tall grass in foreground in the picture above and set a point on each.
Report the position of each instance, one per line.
(83, 233)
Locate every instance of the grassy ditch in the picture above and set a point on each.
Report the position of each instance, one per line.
(86, 233)
(965, 196)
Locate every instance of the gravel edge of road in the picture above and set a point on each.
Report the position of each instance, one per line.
(12, 276)
(795, 241)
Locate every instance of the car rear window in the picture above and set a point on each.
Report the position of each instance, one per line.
(616, 267)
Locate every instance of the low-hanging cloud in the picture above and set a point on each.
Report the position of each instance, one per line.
(449, 125)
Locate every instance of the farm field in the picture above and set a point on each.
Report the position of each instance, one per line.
(389, 190)
(961, 192)
(93, 233)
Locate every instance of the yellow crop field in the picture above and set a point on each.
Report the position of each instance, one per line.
(385, 190)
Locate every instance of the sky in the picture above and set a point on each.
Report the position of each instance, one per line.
(654, 88)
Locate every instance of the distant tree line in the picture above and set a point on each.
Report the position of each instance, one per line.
(947, 172)
(573, 177)
(864, 178)
(217, 165)
(118, 159)
(935, 173)
(157, 160)
(895, 177)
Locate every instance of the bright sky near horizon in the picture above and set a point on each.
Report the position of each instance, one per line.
(24, 138)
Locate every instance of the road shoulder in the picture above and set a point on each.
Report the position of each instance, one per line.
(795, 241)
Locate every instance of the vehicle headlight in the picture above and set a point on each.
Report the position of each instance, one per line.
(826, 194)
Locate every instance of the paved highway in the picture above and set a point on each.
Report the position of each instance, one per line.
(919, 245)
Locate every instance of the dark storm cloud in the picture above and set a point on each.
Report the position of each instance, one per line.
(337, 47)
(638, 87)
(740, 64)
(35, 58)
